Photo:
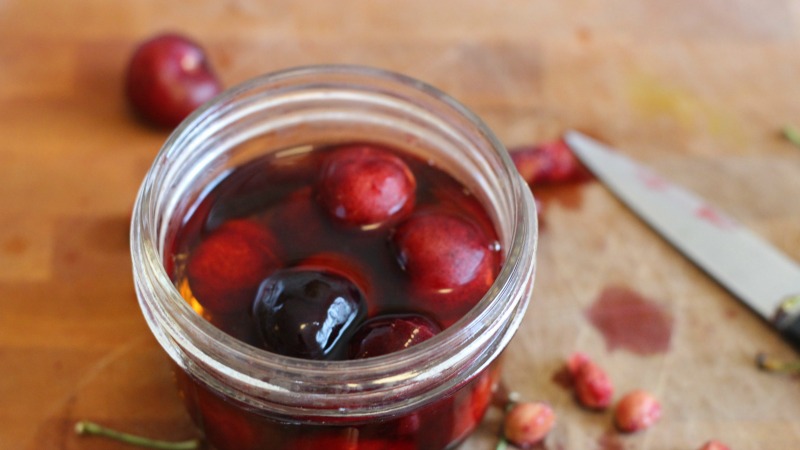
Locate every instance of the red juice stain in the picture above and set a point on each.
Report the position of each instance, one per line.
(630, 321)
(563, 378)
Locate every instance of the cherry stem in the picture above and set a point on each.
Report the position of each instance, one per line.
(502, 443)
(92, 429)
(792, 134)
(769, 363)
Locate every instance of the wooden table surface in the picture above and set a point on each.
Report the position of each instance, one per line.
(696, 88)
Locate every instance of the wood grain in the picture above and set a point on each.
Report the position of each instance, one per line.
(696, 88)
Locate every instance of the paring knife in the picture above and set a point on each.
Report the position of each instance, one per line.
(751, 269)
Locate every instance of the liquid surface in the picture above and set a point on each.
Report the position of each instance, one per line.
(284, 206)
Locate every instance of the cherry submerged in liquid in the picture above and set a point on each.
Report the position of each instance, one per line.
(282, 254)
(433, 252)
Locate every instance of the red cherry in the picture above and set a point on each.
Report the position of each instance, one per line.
(454, 197)
(387, 334)
(167, 78)
(365, 185)
(225, 269)
(471, 404)
(548, 163)
(227, 426)
(348, 441)
(448, 259)
(482, 392)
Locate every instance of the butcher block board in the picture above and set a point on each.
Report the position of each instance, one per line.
(698, 89)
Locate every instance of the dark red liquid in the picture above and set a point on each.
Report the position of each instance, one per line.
(281, 194)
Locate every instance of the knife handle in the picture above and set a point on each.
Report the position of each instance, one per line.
(787, 320)
(791, 333)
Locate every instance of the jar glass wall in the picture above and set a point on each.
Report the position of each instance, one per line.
(429, 396)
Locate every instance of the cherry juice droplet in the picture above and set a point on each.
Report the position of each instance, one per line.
(629, 321)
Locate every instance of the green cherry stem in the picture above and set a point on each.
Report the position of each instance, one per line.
(792, 134)
(502, 444)
(92, 429)
(769, 363)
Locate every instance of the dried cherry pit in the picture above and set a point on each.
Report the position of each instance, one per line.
(636, 411)
(528, 423)
(714, 445)
(593, 388)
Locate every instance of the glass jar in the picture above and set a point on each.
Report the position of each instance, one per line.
(430, 396)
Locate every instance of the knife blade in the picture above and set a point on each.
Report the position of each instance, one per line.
(749, 267)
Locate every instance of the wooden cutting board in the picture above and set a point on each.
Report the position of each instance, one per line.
(696, 88)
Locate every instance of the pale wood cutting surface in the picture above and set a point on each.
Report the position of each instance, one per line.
(696, 88)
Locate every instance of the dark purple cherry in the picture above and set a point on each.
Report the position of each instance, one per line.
(387, 334)
(307, 313)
